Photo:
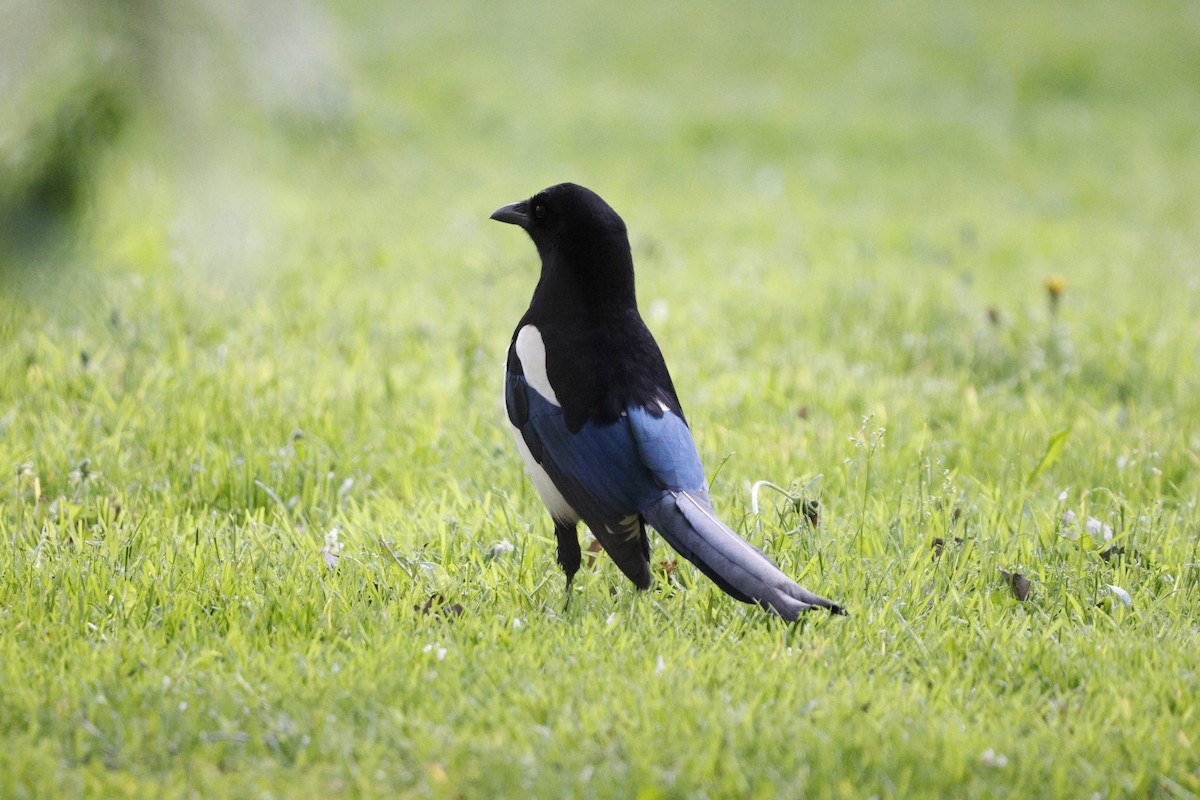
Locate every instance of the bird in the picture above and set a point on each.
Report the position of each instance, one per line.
(598, 421)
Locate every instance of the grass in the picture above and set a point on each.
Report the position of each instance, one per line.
(282, 318)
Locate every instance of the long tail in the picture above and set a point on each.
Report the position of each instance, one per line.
(687, 521)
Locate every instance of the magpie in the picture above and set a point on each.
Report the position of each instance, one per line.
(597, 419)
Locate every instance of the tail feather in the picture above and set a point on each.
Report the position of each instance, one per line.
(689, 524)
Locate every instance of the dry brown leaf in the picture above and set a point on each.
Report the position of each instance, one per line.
(812, 512)
(436, 604)
(1018, 583)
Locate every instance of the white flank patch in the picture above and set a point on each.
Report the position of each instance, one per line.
(552, 498)
(531, 351)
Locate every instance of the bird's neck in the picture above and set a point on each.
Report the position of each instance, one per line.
(592, 286)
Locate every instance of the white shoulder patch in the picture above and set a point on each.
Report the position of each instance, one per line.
(531, 351)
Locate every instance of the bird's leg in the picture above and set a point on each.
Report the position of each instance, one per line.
(569, 555)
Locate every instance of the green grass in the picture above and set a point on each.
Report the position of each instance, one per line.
(280, 320)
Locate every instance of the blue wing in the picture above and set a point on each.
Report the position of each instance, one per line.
(644, 468)
(608, 473)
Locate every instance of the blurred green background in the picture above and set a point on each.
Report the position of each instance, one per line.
(821, 195)
(821, 129)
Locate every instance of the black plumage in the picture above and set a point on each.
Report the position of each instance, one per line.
(597, 417)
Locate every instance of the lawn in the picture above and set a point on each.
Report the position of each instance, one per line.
(933, 268)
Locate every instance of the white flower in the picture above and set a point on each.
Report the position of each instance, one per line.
(501, 548)
(332, 545)
(1066, 526)
(1096, 528)
(991, 758)
(660, 666)
(331, 549)
(1062, 497)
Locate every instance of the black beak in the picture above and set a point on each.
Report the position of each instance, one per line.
(514, 214)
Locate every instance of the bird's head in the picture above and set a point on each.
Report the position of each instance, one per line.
(579, 237)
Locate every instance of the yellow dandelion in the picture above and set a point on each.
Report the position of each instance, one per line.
(1055, 286)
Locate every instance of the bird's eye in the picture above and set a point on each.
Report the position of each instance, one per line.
(539, 211)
